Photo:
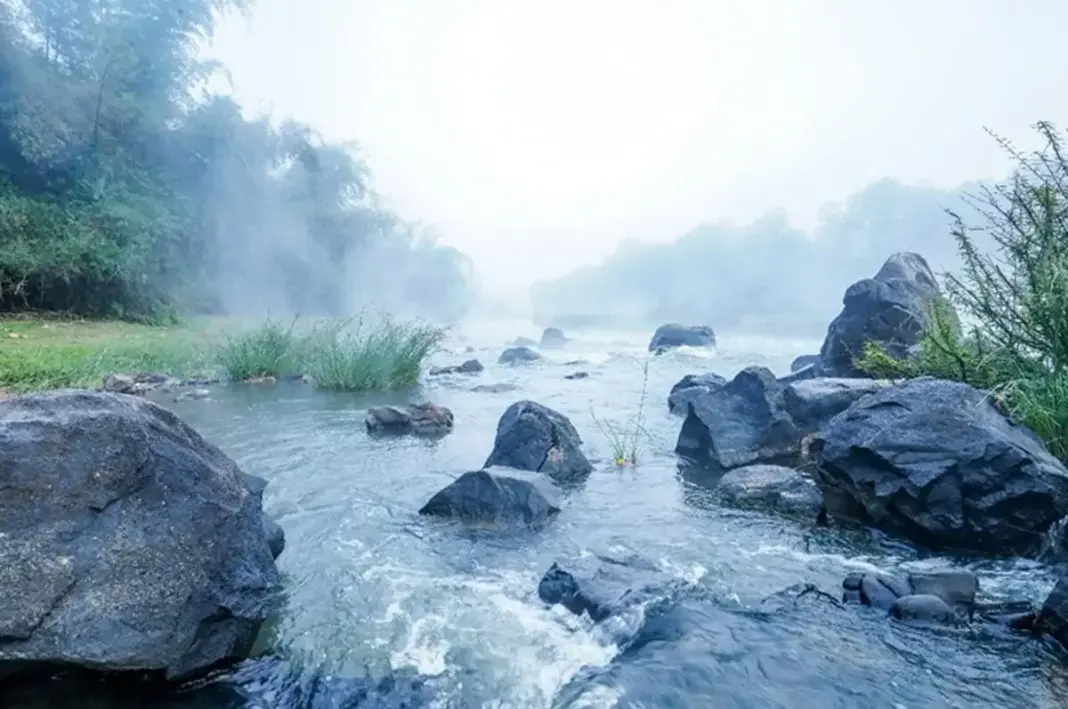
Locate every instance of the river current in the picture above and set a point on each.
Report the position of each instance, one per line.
(373, 588)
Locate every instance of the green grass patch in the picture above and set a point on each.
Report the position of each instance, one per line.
(355, 355)
(271, 349)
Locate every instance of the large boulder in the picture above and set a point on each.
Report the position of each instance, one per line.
(740, 423)
(674, 335)
(938, 463)
(534, 437)
(552, 338)
(129, 543)
(812, 403)
(690, 387)
(892, 308)
(496, 497)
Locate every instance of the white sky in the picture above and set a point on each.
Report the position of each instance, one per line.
(536, 134)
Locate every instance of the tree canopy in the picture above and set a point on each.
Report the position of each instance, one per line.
(129, 189)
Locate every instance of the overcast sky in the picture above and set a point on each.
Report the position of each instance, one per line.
(538, 133)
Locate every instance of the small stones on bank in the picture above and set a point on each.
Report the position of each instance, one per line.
(418, 419)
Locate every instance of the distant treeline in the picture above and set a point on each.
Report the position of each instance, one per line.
(767, 275)
(128, 189)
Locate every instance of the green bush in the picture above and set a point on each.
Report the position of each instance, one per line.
(1016, 296)
(269, 350)
(353, 355)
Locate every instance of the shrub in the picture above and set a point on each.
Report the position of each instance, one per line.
(1016, 295)
(353, 355)
(269, 350)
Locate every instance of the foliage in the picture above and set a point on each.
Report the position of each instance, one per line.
(269, 350)
(354, 355)
(625, 439)
(129, 190)
(1016, 294)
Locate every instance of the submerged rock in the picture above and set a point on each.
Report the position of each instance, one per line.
(923, 608)
(418, 419)
(890, 309)
(577, 375)
(495, 388)
(497, 497)
(534, 437)
(690, 387)
(773, 488)
(552, 338)
(129, 542)
(671, 335)
(938, 463)
(599, 586)
(518, 355)
(956, 588)
(471, 366)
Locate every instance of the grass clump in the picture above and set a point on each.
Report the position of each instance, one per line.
(269, 350)
(625, 438)
(1015, 295)
(354, 355)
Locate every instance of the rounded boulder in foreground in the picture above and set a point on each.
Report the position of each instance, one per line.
(129, 543)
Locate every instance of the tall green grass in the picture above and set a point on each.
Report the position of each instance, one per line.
(269, 350)
(1017, 296)
(625, 437)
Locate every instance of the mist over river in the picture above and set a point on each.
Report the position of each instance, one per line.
(372, 587)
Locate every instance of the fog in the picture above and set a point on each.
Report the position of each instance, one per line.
(540, 136)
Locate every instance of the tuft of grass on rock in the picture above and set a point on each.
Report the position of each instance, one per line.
(355, 355)
(268, 350)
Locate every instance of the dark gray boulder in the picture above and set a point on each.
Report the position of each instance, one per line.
(801, 361)
(425, 419)
(518, 355)
(892, 308)
(773, 488)
(872, 588)
(740, 423)
(936, 462)
(956, 588)
(552, 338)
(129, 542)
(534, 437)
(923, 608)
(672, 335)
(812, 403)
(690, 387)
(471, 366)
(496, 497)
(276, 536)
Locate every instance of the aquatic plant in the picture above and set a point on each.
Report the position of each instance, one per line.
(625, 438)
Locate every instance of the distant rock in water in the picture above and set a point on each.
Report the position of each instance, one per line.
(802, 361)
(418, 419)
(691, 386)
(140, 383)
(518, 355)
(129, 542)
(577, 375)
(471, 366)
(938, 463)
(534, 437)
(552, 338)
(495, 388)
(674, 335)
(524, 342)
(890, 309)
(497, 497)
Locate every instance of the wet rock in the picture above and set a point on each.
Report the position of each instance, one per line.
(471, 366)
(418, 419)
(524, 342)
(672, 335)
(577, 375)
(936, 462)
(276, 536)
(789, 597)
(518, 355)
(809, 372)
(129, 542)
(599, 586)
(119, 383)
(774, 488)
(495, 388)
(801, 361)
(552, 338)
(957, 587)
(534, 437)
(923, 608)
(496, 496)
(740, 423)
(690, 387)
(890, 308)
(193, 394)
(812, 403)
(874, 589)
(1053, 617)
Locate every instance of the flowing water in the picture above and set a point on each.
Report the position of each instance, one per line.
(373, 588)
